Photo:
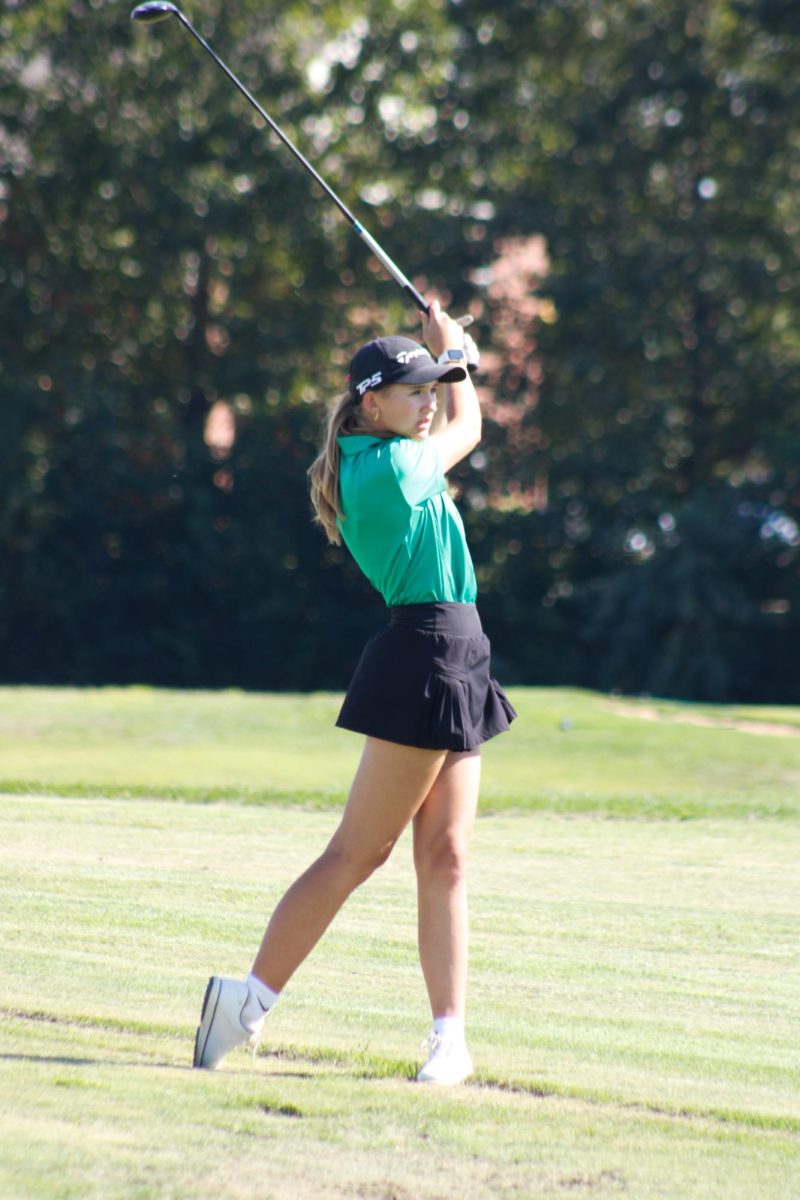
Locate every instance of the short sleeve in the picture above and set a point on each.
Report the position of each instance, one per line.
(418, 469)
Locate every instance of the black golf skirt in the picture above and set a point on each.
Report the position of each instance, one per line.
(424, 680)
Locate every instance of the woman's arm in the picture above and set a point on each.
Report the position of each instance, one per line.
(460, 431)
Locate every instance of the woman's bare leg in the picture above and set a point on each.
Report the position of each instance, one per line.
(442, 829)
(391, 783)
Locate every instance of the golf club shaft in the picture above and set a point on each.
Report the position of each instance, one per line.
(417, 298)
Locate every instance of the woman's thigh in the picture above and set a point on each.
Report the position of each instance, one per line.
(391, 783)
(448, 814)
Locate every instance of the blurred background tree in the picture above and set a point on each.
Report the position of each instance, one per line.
(609, 187)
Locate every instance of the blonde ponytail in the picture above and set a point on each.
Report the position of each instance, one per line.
(346, 416)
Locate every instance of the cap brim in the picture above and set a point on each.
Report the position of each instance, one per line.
(433, 373)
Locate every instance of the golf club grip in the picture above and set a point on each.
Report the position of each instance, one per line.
(420, 301)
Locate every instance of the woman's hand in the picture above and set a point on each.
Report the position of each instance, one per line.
(440, 331)
(462, 431)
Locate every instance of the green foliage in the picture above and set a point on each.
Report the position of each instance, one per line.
(635, 506)
(661, 170)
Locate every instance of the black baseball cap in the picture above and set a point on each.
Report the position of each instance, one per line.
(390, 360)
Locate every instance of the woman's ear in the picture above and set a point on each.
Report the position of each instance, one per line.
(370, 406)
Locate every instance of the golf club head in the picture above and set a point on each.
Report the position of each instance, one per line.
(154, 10)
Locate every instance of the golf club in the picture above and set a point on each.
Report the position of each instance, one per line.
(158, 10)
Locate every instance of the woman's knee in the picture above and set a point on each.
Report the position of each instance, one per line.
(356, 863)
(443, 858)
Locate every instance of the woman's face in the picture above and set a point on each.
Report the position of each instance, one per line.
(402, 408)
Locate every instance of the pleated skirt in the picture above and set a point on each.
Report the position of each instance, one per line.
(425, 680)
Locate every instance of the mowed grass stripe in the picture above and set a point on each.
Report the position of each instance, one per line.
(314, 1132)
(626, 975)
(634, 993)
(362, 1065)
(669, 924)
(570, 751)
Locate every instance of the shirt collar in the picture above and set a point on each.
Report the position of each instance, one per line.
(354, 443)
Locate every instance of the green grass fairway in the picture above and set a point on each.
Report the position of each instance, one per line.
(570, 751)
(635, 984)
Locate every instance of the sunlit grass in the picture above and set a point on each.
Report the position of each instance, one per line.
(569, 751)
(634, 982)
(633, 1010)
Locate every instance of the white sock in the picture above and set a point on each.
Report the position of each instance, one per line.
(450, 1028)
(260, 1000)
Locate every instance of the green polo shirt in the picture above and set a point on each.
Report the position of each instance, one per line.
(400, 525)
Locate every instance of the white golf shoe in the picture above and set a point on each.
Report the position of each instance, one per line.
(448, 1061)
(221, 1029)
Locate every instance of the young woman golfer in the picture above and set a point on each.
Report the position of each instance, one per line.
(422, 692)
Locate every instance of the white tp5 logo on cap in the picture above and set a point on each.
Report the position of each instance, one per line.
(366, 384)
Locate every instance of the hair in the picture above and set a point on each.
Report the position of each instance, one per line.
(346, 416)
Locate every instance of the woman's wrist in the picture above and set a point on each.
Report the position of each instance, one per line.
(455, 355)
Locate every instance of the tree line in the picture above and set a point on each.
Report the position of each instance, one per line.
(609, 188)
